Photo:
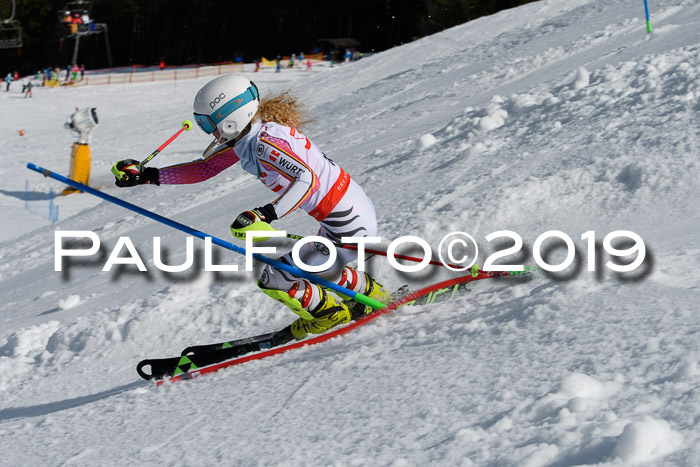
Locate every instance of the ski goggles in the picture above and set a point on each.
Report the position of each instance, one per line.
(208, 122)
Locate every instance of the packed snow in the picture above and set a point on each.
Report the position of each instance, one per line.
(557, 115)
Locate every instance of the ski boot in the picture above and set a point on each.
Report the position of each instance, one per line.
(318, 310)
(372, 289)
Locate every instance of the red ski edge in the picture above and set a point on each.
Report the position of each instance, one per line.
(334, 333)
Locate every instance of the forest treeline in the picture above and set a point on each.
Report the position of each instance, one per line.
(206, 31)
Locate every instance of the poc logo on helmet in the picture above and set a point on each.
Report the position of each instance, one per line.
(216, 100)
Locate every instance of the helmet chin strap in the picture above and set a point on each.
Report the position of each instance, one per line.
(245, 131)
(219, 140)
(240, 135)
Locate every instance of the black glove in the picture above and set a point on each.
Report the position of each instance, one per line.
(130, 173)
(264, 214)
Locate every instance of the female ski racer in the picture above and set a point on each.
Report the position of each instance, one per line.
(264, 136)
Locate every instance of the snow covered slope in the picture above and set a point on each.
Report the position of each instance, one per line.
(558, 115)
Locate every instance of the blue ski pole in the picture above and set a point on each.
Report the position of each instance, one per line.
(646, 9)
(196, 233)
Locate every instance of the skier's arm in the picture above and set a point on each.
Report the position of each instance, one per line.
(198, 170)
(295, 195)
(303, 180)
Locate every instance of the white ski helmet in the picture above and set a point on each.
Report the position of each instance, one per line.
(227, 102)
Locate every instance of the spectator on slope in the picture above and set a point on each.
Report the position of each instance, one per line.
(264, 136)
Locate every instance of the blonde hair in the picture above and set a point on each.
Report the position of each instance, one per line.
(284, 109)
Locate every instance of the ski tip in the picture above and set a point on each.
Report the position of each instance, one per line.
(143, 374)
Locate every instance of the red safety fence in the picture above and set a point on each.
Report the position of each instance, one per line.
(137, 75)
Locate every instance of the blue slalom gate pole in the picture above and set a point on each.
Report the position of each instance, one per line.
(196, 233)
(53, 213)
(646, 9)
